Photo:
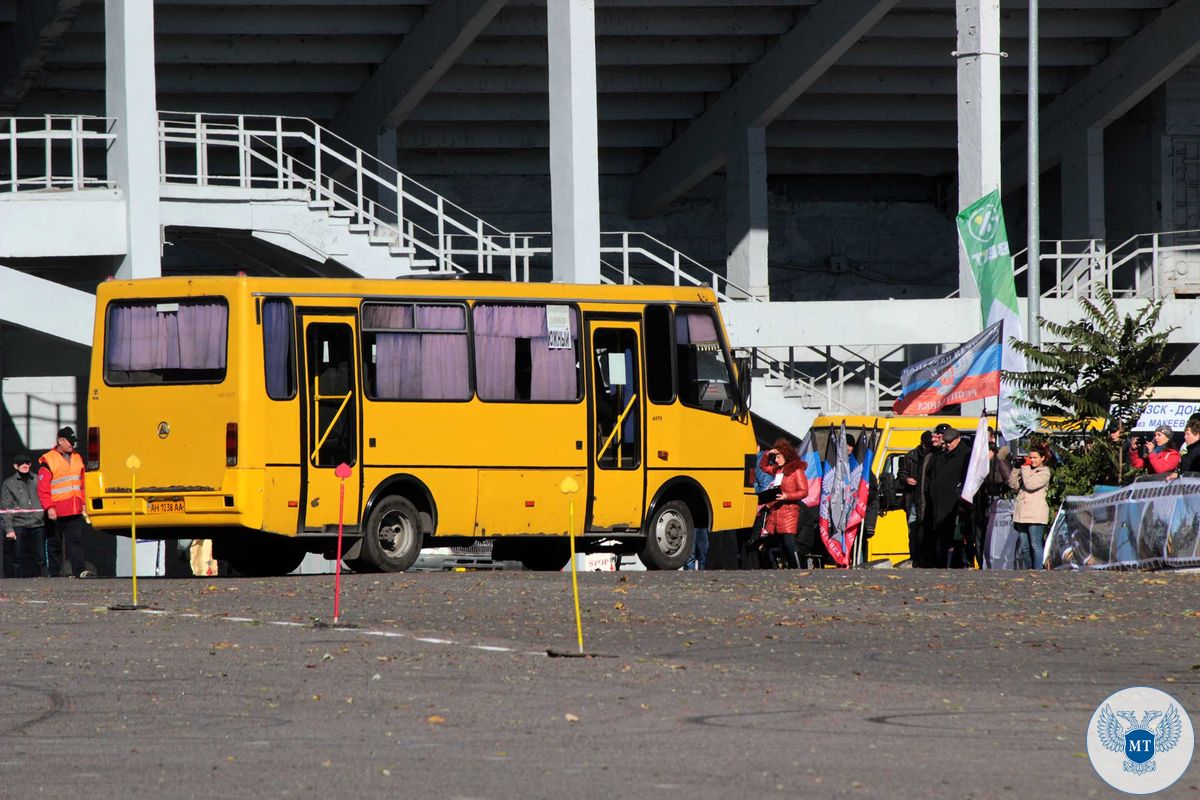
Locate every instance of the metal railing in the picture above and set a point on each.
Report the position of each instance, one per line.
(1147, 266)
(836, 378)
(251, 151)
(54, 152)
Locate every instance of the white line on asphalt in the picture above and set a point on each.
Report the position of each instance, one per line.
(487, 648)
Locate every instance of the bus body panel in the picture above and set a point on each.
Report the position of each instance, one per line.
(528, 502)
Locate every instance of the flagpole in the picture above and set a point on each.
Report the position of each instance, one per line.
(1033, 259)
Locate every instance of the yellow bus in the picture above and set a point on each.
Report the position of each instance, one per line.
(460, 406)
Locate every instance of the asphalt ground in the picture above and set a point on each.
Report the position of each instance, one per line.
(880, 684)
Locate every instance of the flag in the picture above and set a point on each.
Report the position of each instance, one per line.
(978, 464)
(836, 506)
(812, 471)
(860, 486)
(983, 235)
(968, 372)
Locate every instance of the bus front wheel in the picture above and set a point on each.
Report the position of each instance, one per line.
(393, 537)
(670, 537)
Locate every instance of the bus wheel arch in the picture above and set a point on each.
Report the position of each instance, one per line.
(679, 507)
(397, 518)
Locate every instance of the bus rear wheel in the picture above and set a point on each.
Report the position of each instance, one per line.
(264, 556)
(548, 556)
(393, 537)
(670, 537)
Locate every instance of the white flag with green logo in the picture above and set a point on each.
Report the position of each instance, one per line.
(981, 229)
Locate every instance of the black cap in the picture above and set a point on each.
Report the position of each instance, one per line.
(67, 433)
(948, 432)
(22, 457)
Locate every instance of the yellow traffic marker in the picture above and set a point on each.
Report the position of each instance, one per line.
(134, 464)
(570, 486)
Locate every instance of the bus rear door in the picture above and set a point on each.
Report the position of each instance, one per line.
(617, 442)
(331, 413)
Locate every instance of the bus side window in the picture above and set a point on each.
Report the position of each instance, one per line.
(279, 351)
(660, 367)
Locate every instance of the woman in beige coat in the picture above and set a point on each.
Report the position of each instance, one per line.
(1031, 512)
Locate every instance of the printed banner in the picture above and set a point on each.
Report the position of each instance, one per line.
(985, 239)
(1149, 525)
(970, 371)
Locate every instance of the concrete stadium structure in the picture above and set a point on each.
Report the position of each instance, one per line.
(803, 157)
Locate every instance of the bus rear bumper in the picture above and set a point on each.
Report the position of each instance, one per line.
(236, 503)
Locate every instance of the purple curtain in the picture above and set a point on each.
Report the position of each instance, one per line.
(497, 328)
(277, 348)
(142, 338)
(424, 365)
(695, 326)
(393, 317)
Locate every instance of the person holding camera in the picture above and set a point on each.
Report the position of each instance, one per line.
(783, 499)
(1161, 458)
(1031, 511)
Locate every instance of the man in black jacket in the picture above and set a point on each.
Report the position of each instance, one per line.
(945, 511)
(910, 473)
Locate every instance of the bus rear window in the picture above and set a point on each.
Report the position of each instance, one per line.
(166, 341)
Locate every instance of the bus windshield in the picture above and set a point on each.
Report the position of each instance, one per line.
(166, 341)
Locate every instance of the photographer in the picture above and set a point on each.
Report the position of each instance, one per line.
(1160, 459)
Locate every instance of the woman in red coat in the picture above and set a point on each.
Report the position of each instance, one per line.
(783, 511)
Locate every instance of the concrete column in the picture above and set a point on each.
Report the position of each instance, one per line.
(131, 103)
(385, 151)
(746, 223)
(978, 112)
(574, 164)
(1083, 186)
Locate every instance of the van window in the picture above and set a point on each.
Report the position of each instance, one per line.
(166, 341)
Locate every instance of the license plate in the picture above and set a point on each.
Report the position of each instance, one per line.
(164, 507)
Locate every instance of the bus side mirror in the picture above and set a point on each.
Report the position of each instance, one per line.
(745, 366)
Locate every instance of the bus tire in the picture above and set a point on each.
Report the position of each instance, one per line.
(670, 537)
(393, 537)
(548, 556)
(266, 556)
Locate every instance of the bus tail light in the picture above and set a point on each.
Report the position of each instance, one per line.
(93, 449)
(231, 444)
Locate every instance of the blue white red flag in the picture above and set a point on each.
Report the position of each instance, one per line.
(970, 371)
(860, 487)
(813, 469)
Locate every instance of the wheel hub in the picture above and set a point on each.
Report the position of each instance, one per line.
(670, 533)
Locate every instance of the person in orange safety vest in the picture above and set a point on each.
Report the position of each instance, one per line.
(60, 489)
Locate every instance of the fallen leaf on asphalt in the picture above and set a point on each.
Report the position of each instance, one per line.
(435, 719)
(570, 717)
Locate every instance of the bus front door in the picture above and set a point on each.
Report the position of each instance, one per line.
(331, 392)
(617, 441)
